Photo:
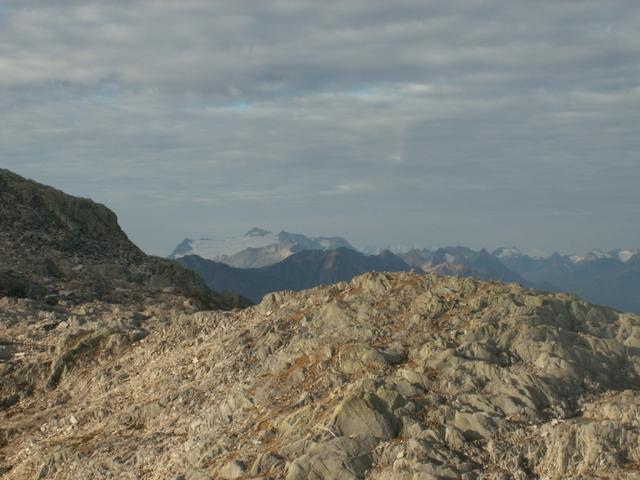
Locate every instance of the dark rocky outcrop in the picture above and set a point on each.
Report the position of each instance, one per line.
(55, 247)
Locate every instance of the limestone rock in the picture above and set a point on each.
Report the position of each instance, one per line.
(388, 377)
(232, 470)
(344, 458)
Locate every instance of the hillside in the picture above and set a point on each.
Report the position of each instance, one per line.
(306, 269)
(55, 247)
(390, 376)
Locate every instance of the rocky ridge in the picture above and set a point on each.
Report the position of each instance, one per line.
(388, 377)
(58, 248)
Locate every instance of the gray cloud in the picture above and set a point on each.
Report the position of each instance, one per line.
(432, 122)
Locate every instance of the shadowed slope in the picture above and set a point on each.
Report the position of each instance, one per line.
(55, 246)
(302, 270)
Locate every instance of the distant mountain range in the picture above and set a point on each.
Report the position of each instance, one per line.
(611, 278)
(302, 270)
(256, 248)
(266, 262)
(622, 255)
(462, 262)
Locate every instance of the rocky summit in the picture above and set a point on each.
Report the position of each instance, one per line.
(388, 377)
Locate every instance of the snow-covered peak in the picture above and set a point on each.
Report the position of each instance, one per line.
(538, 254)
(256, 238)
(624, 255)
(214, 249)
(372, 250)
(588, 257)
(257, 232)
(325, 243)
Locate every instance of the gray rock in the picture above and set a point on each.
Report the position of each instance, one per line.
(265, 463)
(343, 458)
(232, 470)
(366, 415)
(396, 377)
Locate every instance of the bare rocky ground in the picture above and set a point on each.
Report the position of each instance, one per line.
(389, 377)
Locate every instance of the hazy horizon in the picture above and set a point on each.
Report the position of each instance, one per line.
(482, 124)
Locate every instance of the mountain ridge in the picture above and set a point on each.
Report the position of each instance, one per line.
(302, 270)
(609, 278)
(57, 247)
(256, 248)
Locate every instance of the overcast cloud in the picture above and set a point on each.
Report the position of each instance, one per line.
(480, 123)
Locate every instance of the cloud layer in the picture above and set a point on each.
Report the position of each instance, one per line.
(427, 122)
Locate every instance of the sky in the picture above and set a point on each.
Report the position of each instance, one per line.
(412, 122)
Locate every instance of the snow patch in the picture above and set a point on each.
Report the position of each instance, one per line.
(625, 255)
(449, 258)
(507, 252)
(256, 238)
